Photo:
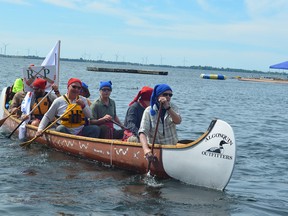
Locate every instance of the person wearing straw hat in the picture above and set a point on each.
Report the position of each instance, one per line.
(167, 120)
(134, 114)
(74, 109)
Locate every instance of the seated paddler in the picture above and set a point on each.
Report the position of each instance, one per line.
(134, 114)
(162, 112)
(40, 100)
(72, 109)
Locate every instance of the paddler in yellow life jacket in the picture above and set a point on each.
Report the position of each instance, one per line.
(73, 121)
(39, 93)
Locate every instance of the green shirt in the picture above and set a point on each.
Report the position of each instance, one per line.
(99, 109)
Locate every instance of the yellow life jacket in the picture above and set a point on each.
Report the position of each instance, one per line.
(42, 108)
(75, 117)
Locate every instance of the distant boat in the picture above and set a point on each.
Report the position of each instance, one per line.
(213, 76)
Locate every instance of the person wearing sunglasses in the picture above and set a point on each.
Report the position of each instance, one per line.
(72, 122)
(168, 119)
(104, 113)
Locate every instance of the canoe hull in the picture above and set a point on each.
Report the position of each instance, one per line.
(207, 162)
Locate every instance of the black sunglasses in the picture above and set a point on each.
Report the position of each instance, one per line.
(167, 94)
(76, 87)
(105, 89)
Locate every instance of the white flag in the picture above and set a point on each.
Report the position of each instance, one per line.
(25, 108)
(53, 59)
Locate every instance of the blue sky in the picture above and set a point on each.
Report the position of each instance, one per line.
(244, 34)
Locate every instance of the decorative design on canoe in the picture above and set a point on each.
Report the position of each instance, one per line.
(100, 151)
(83, 145)
(118, 152)
(218, 151)
(135, 154)
(221, 135)
(65, 143)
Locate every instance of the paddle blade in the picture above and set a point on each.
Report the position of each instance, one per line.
(25, 144)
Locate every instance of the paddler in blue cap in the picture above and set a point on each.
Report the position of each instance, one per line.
(104, 113)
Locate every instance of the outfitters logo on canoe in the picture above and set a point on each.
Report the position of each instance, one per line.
(218, 151)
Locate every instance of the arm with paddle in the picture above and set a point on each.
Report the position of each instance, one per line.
(161, 97)
(106, 118)
(26, 116)
(40, 132)
(12, 113)
(149, 153)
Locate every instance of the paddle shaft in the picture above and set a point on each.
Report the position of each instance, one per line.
(121, 126)
(4, 119)
(30, 113)
(154, 138)
(49, 126)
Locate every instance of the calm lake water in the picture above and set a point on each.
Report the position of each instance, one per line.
(41, 181)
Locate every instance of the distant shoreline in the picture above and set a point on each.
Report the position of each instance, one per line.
(270, 80)
(204, 68)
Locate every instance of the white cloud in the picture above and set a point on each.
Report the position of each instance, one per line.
(266, 8)
(17, 2)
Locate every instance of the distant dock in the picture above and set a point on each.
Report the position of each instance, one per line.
(122, 70)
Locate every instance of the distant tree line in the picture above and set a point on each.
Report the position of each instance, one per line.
(204, 68)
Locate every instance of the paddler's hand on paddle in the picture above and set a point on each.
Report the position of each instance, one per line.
(56, 90)
(107, 118)
(164, 101)
(149, 156)
(24, 117)
(39, 133)
(81, 103)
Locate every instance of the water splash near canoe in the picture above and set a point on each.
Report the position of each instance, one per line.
(151, 181)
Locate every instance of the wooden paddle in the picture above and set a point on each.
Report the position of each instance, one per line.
(121, 126)
(30, 113)
(49, 126)
(154, 138)
(4, 119)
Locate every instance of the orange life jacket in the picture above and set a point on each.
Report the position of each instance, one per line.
(75, 117)
(42, 108)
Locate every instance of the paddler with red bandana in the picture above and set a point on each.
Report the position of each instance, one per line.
(74, 121)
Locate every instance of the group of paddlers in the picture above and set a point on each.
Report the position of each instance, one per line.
(151, 116)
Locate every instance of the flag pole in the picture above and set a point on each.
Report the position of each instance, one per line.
(58, 61)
